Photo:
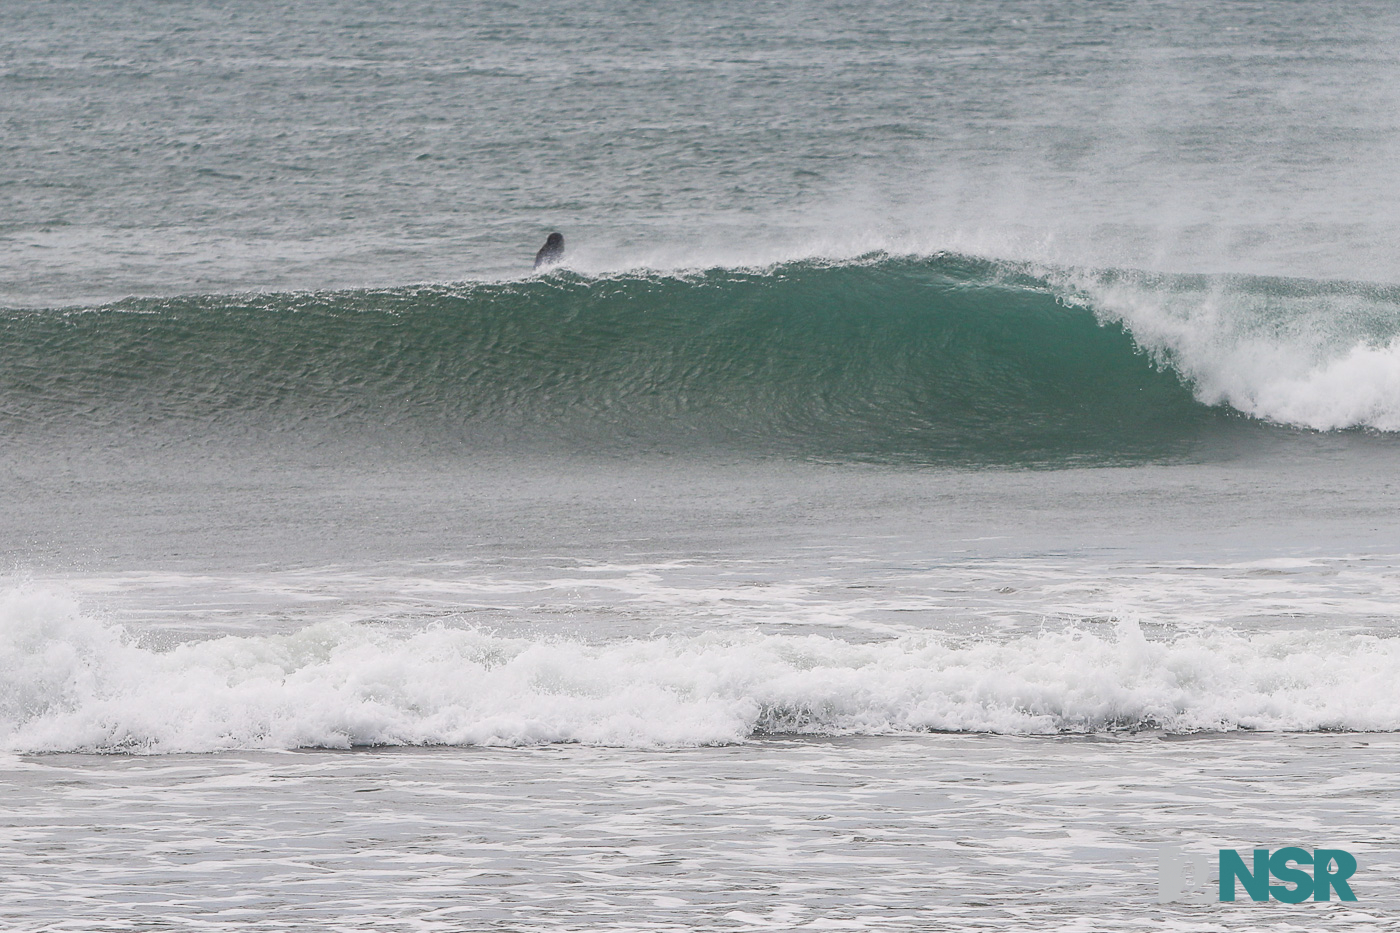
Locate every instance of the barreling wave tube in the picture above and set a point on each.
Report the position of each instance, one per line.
(944, 358)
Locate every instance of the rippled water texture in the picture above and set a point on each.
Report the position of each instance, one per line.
(940, 833)
(157, 148)
(954, 459)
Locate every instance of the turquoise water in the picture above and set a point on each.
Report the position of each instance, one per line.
(954, 458)
(939, 360)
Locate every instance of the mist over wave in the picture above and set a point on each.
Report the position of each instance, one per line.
(1320, 355)
(942, 358)
(74, 683)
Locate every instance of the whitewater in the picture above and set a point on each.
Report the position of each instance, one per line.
(76, 685)
(954, 460)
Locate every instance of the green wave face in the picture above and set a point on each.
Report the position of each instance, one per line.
(931, 360)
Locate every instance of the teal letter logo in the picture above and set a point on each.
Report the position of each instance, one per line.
(1285, 865)
(1302, 881)
(1232, 869)
(1324, 879)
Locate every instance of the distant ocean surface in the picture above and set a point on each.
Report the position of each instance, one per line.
(955, 458)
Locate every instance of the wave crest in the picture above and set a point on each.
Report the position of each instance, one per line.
(934, 359)
(1317, 355)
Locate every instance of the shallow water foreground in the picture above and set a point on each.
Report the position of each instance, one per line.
(909, 833)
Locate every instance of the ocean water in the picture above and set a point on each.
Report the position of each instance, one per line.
(955, 460)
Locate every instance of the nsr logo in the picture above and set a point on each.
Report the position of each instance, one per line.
(1330, 870)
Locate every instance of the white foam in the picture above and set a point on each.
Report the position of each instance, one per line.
(1315, 361)
(72, 682)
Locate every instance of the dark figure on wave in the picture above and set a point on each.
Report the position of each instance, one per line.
(551, 252)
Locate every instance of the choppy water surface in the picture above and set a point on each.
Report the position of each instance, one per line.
(943, 832)
(158, 148)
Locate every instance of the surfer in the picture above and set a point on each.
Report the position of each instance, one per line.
(551, 252)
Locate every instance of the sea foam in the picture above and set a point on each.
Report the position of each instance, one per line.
(1309, 354)
(73, 682)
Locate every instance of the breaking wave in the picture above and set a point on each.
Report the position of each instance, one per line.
(74, 683)
(941, 358)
